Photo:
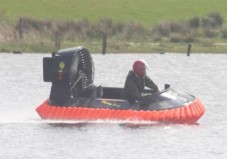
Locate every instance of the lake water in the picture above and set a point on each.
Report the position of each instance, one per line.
(24, 135)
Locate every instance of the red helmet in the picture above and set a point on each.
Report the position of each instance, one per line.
(140, 66)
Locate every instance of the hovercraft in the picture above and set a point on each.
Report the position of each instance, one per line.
(74, 96)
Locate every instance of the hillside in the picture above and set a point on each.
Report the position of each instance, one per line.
(147, 12)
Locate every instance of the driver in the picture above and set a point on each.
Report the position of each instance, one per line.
(136, 81)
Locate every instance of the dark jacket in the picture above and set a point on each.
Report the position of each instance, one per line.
(134, 86)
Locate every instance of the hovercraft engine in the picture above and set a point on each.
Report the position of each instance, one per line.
(71, 72)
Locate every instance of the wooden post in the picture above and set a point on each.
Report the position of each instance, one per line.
(189, 49)
(21, 28)
(104, 43)
(57, 40)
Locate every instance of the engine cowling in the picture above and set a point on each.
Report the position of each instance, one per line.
(71, 71)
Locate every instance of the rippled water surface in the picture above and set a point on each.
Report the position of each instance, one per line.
(24, 135)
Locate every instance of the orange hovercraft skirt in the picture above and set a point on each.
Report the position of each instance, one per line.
(187, 114)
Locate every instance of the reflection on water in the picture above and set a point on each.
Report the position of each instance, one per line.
(69, 125)
(106, 123)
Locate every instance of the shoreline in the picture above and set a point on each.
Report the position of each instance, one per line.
(119, 48)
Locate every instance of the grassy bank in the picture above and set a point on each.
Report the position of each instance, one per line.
(119, 47)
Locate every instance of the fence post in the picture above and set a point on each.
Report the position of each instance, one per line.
(104, 43)
(57, 40)
(21, 28)
(189, 49)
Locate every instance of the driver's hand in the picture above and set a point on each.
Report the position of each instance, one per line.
(145, 94)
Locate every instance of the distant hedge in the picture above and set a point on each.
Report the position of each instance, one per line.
(196, 29)
(181, 31)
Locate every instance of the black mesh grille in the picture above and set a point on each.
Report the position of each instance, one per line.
(86, 68)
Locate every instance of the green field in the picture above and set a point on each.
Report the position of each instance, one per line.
(147, 12)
